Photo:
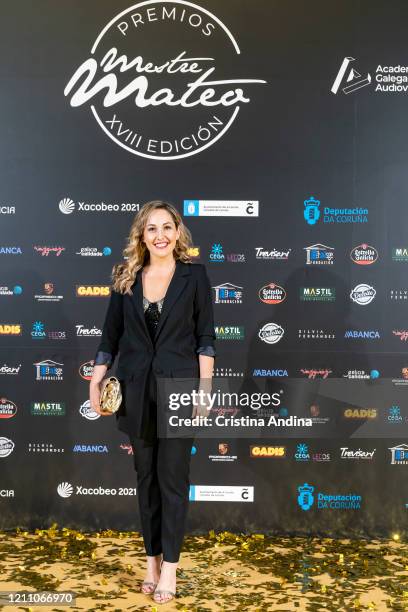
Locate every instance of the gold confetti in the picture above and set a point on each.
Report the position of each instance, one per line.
(238, 571)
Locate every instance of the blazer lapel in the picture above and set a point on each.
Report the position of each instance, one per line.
(137, 300)
(177, 285)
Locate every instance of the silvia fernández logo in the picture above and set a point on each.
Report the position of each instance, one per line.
(166, 100)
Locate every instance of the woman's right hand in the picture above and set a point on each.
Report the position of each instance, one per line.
(95, 390)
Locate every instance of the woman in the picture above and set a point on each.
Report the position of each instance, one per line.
(160, 321)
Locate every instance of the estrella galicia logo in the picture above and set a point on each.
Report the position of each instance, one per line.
(311, 212)
(305, 498)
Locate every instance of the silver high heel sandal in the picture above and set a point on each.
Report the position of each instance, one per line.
(163, 592)
(151, 585)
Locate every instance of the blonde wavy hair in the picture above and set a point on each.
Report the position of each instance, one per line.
(137, 254)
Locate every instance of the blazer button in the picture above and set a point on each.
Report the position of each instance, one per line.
(158, 371)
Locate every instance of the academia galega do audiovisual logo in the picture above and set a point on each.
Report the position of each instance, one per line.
(387, 78)
(154, 82)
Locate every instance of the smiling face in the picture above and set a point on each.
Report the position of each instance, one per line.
(160, 234)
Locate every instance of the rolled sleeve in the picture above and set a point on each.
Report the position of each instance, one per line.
(102, 358)
(209, 351)
(203, 314)
(112, 332)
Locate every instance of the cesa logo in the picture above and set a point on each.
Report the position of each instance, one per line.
(162, 101)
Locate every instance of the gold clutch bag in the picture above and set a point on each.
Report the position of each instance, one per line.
(111, 394)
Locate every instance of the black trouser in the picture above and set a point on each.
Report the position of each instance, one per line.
(162, 466)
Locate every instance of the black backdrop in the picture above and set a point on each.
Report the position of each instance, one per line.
(294, 139)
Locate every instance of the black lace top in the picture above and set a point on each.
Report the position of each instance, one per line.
(152, 312)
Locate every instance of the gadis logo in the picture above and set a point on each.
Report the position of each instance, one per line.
(175, 106)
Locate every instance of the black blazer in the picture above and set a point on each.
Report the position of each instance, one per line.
(186, 324)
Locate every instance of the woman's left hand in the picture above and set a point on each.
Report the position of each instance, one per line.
(202, 407)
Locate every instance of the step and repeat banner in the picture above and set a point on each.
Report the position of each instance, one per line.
(279, 131)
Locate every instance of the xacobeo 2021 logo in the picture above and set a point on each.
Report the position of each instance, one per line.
(162, 81)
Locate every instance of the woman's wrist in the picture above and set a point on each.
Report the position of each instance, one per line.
(205, 384)
(98, 374)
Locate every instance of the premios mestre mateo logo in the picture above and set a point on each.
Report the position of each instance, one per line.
(162, 79)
